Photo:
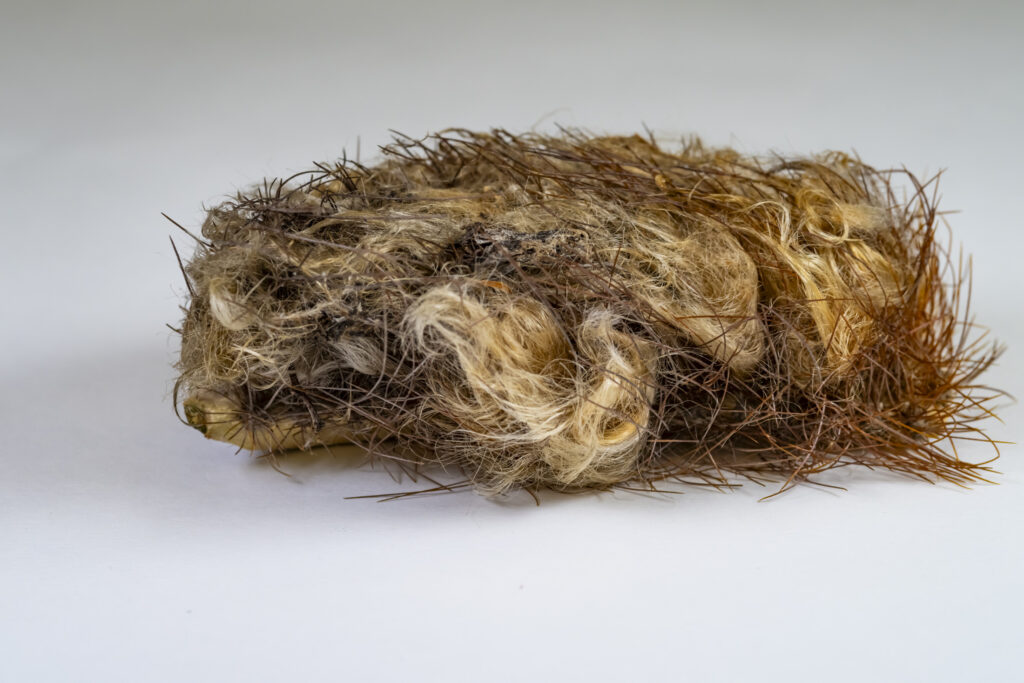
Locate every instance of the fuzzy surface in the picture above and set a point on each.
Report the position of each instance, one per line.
(575, 312)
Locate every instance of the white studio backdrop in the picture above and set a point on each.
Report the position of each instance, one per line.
(132, 549)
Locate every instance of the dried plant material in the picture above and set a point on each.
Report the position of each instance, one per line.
(587, 312)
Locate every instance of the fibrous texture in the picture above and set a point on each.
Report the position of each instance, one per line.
(572, 311)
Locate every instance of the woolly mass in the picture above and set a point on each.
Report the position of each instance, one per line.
(571, 311)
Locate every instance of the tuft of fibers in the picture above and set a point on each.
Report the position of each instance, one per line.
(578, 312)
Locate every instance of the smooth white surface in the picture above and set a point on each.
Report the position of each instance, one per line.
(133, 550)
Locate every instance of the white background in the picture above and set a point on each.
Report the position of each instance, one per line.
(131, 549)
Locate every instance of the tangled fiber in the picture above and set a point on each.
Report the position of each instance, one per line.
(572, 312)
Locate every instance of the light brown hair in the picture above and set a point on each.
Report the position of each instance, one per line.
(573, 311)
